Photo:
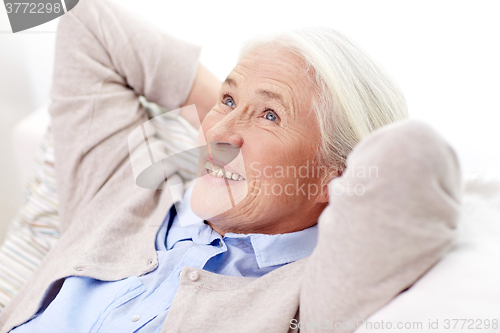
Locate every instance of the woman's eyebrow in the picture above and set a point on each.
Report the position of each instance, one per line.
(230, 82)
(266, 93)
(272, 95)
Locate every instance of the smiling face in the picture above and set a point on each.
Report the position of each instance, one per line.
(264, 116)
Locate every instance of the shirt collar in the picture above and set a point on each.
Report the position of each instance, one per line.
(269, 250)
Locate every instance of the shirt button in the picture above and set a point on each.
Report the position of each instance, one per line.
(194, 276)
(220, 244)
(136, 318)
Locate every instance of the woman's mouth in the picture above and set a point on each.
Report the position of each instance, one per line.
(219, 172)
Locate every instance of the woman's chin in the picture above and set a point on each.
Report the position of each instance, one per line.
(213, 196)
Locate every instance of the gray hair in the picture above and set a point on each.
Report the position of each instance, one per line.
(356, 96)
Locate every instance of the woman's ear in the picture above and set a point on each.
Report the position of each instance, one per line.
(332, 173)
(323, 196)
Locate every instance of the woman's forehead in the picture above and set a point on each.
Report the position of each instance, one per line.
(276, 62)
(273, 73)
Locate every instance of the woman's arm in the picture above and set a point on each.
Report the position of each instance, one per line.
(105, 58)
(390, 218)
(204, 94)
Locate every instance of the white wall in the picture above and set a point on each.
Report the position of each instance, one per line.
(444, 54)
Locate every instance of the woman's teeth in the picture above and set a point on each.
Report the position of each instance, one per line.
(219, 172)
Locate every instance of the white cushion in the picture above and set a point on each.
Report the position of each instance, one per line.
(465, 284)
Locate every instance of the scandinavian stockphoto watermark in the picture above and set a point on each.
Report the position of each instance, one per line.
(292, 180)
(161, 160)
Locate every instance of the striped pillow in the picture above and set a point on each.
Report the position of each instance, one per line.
(35, 228)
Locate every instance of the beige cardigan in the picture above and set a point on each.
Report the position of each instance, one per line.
(370, 246)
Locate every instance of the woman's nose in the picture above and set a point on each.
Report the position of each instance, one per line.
(227, 130)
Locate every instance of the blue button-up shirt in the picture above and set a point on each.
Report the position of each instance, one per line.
(141, 303)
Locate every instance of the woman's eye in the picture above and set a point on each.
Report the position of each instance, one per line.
(228, 101)
(270, 115)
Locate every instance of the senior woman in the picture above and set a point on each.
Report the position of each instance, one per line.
(262, 263)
